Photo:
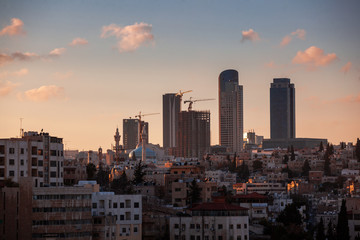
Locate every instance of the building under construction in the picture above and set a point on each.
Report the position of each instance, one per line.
(193, 134)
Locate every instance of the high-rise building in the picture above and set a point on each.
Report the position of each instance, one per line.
(231, 115)
(171, 109)
(36, 155)
(282, 109)
(131, 132)
(193, 135)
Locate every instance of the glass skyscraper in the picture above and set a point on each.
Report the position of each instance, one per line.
(282, 109)
(231, 115)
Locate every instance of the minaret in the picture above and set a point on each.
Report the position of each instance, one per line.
(117, 145)
(143, 144)
(100, 155)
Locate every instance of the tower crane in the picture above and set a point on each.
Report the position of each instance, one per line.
(180, 94)
(190, 101)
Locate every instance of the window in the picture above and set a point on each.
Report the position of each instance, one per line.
(40, 174)
(94, 205)
(11, 150)
(220, 238)
(11, 162)
(128, 203)
(220, 226)
(124, 230)
(231, 226)
(192, 237)
(40, 163)
(114, 205)
(52, 163)
(135, 229)
(22, 162)
(53, 174)
(238, 226)
(136, 217)
(122, 205)
(245, 237)
(122, 217)
(21, 173)
(245, 225)
(192, 226)
(52, 152)
(136, 205)
(178, 190)
(176, 226)
(21, 151)
(11, 173)
(238, 238)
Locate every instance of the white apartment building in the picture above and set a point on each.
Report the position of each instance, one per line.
(211, 221)
(127, 210)
(259, 187)
(36, 155)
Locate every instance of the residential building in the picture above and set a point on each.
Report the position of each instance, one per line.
(282, 109)
(171, 109)
(218, 220)
(37, 155)
(231, 115)
(127, 210)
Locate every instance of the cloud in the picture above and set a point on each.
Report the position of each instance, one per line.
(21, 72)
(57, 52)
(4, 58)
(314, 57)
(130, 37)
(6, 87)
(299, 33)
(44, 93)
(62, 76)
(346, 67)
(16, 28)
(78, 41)
(250, 35)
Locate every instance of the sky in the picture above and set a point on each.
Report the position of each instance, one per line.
(77, 68)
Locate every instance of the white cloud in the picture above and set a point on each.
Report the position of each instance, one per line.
(250, 35)
(130, 37)
(314, 57)
(78, 41)
(57, 52)
(45, 93)
(16, 28)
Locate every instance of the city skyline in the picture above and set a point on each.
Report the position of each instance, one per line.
(77, 77)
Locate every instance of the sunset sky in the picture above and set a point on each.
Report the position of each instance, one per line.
(77, 68)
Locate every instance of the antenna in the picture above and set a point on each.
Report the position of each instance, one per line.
(21, 129)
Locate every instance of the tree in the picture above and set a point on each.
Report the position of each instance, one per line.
(320, 235)
(10, 183)
(90, 171)
(290, 215)
(139, 174)
(232, 167)
(342, 145)
(306, 168)
(321, 147)
(342, 228)
(330, 232)
(102, 177)
(292, 153)
(133, 157)
(257, 165)
(285, 159)
(194, 193)
(327, 169)
(121, 185)
(357, 150)
(288, 171)
(243, 172)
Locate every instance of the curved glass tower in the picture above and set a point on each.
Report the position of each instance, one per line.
(231, 115)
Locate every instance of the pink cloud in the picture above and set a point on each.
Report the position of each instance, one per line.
(346, 67)
(57, 52)
(314, 57)
(16, 28)
(21, 72)
(299, 33)
(6, 87)
(250, 35)
(4, 58)
(45, 93)
(130, 37)
(78, 41)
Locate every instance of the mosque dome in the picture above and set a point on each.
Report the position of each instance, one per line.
(150, 154)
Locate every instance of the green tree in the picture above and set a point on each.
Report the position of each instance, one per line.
(330, 232)
(292, 156)
(90, 171)
(139, 174)
(342, 228)
(306, 168)
(288, 171)
(290, 215)
(327, 169)
(232, 167)
(194, 193)
(320, 235)
(257, 165)
(102, 177)
(243, 172)
(321, 147)
(357, 150)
